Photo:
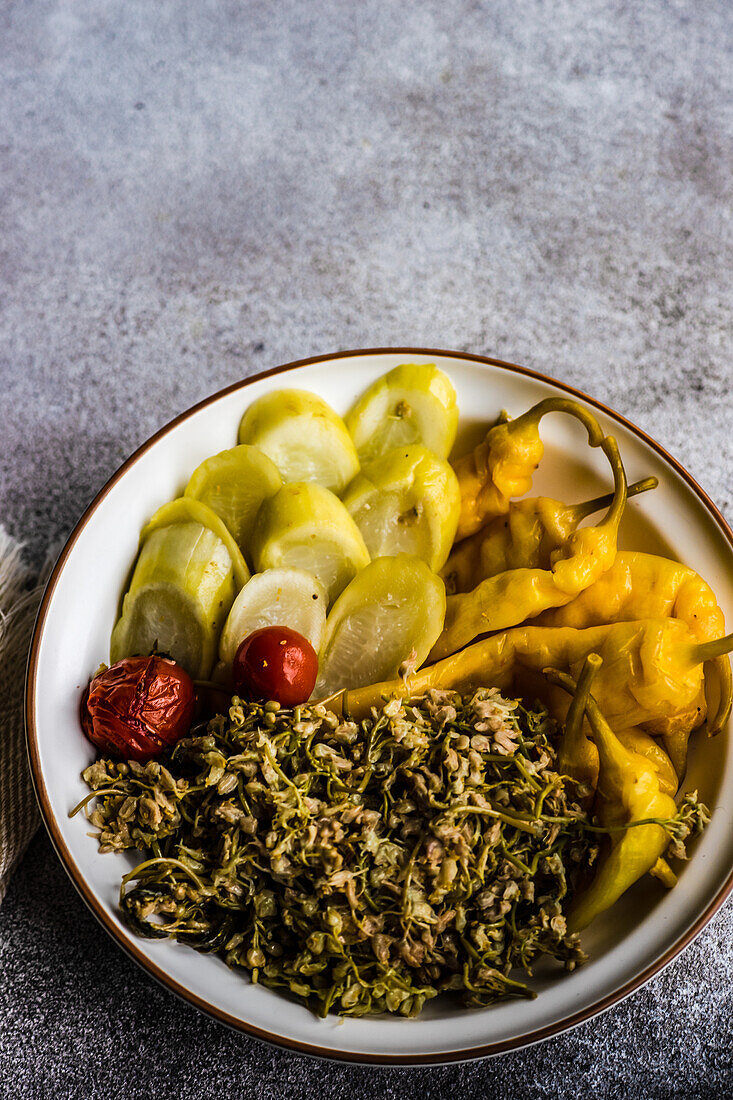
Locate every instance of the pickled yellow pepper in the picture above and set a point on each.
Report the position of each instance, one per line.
(652, 667)
(503, 464)
(640, 586)
(524, 538)
(629, 792)
(516, 595)
(577, 753)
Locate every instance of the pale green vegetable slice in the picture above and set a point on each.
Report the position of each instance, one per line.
(303, 436)
(185, 510)
(386, 621)
(181, 590)
(413, 403)
(304, 526)
(277, 597)
(233, 484)
(407, 501)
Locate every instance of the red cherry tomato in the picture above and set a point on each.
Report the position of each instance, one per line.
(275, 663)
(138, 708)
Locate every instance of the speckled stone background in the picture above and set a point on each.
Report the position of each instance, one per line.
(191, 192)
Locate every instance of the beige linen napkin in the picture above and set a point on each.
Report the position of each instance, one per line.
(19, 600)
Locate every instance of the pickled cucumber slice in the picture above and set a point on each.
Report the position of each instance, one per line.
(391, 614)
(233, 484)
(407, 501)
(304, 526)
(413, 403)
(185, 510)
(303, 436)
(277, 597)
(182, 588)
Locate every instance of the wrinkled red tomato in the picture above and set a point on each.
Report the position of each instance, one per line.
(275, 663)
(138, 708)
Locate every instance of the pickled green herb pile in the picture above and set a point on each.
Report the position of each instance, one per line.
(365, 867)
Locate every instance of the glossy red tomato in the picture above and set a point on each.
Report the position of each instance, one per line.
(138, 708)
(275, 663)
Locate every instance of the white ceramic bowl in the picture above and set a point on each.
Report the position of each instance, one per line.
(643, 932)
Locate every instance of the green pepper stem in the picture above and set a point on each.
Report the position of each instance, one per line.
(612, 518)
(563, 680)
(604, 737)
(606, 740)
(664, 873)
(708, 651)
(564, 405)
(102, 792)
(576, 711)
(588, 507)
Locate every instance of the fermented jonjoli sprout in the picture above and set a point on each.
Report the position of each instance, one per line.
(363, 868)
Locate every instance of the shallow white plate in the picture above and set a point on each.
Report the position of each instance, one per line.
(645, 930)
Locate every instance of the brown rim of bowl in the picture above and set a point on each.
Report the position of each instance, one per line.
(131, 948)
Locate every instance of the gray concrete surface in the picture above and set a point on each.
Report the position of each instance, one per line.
(193, 192)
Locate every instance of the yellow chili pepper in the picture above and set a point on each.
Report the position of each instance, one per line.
(516, 595)
(676, 741)
(502, 466)
(639, 741)
(578, 755)
(652, 667)
(524, 538)
(629, 791)
(639, 586)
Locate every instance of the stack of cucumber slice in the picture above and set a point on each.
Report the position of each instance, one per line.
(345, 524)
